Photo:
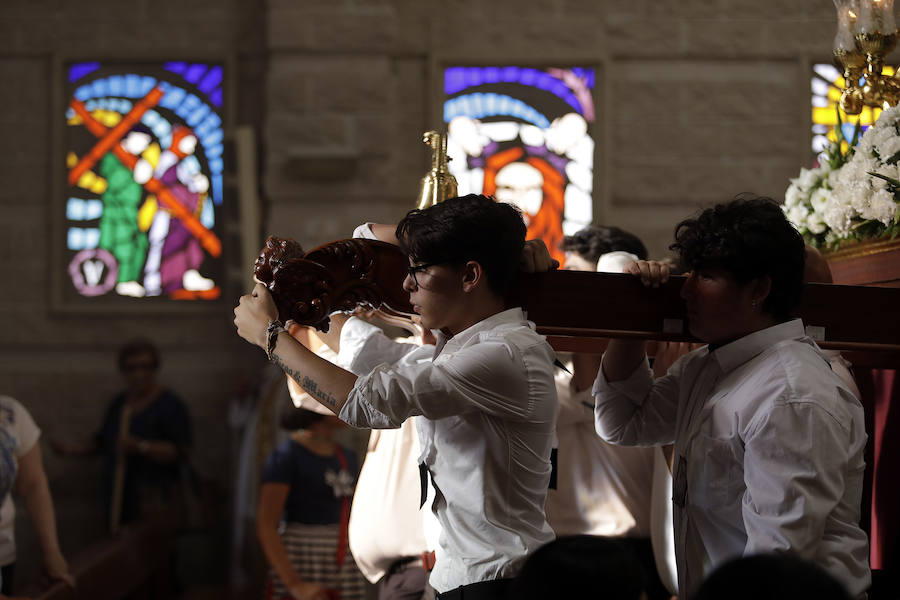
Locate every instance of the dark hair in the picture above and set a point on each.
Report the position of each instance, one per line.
(293, 418)
(472, 227)
(749, 237)
(770, 576)
(138, 347)
(580, 566)
(596, 240)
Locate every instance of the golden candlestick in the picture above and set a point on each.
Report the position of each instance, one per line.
(439, 184)
(867, 32)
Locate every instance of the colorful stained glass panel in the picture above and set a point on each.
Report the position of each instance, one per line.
(525, 136)
(826, 86)
(144, 179)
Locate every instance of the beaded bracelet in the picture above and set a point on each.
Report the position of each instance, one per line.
(275, 327)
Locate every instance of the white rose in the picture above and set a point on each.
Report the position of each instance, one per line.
(881, 207)
(816, 224)
(797, 216)
(819, 198)
(792, 196)
(833, 177)
(808, 178)
(837, 216)
(889, 147)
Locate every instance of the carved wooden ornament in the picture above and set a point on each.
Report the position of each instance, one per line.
(338, 276)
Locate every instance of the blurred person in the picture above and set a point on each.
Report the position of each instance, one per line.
(304, 507)
(486, 390)
(773, 577)
(601, 489)
(22, 470)
(392, 533)
(768, 440)
(145, 436)
(581, 566)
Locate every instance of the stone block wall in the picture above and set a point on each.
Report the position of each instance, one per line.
(62, 365)
(697, 99)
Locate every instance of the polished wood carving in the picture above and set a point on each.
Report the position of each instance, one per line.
(338, 276)
(576, 310)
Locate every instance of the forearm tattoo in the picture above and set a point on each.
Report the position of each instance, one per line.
(307, 383)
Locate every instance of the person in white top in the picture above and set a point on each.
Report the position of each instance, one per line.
(601, 489)
(22, 470)
(486, 389)
(391, 531)
(768, 440)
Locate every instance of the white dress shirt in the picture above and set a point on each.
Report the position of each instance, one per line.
(489, 405)
(768, 452)
(386, 522)
(601, 489)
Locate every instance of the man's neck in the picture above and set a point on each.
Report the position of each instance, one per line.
(476, 312)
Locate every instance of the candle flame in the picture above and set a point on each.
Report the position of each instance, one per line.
(851, 14)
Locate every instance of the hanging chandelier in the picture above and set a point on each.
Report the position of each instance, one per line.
(866, 33)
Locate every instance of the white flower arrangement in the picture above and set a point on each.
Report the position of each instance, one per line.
(852, 195)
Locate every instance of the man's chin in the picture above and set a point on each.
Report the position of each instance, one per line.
(697, 332)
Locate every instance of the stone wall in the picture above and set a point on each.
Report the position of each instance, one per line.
(698, 99)
(62, 366)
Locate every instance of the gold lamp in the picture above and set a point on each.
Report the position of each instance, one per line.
(439, 184)
(867, 32)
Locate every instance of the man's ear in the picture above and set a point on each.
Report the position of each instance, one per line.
(472, 276)
(762, 286)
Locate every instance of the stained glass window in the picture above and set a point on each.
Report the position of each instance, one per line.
(144, 184)
(827, 84)
(525, 136)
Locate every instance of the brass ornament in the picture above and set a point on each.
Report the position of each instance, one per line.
(439, 184)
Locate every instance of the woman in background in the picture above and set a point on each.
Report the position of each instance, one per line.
(22, 470)
(304, 508)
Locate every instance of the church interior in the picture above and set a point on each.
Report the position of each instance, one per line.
(306, 119)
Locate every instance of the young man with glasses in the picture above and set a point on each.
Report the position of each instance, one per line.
(485, 390)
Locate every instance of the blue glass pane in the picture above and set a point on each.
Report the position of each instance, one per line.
(79, 70)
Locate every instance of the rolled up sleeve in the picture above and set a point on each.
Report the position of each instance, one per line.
(481, 377)
(365, 346)
(636, 411)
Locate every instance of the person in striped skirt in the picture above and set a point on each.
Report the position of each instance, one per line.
(304, 508)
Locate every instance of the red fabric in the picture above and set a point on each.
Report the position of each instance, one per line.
(885, 536)
(345, 516)
(880, 391)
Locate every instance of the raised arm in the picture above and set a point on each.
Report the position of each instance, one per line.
(326, 383)
(622, 357)
(385, 233)
(630, 407)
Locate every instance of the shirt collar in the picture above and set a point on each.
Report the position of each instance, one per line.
(510, 315)
(732, 355)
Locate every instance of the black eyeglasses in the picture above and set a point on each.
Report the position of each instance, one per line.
(413, 269)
